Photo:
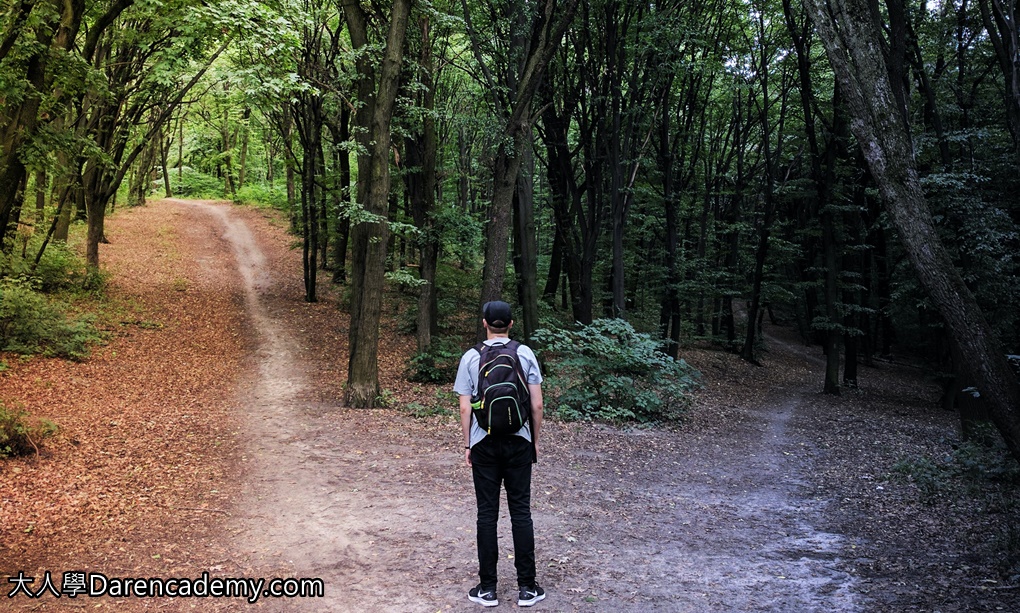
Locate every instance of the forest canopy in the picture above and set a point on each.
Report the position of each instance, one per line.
(689, 167)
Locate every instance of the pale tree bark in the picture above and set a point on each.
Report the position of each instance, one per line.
(41, 185)
(164, 147)
(369, 238)
(852, 42)
(245, 133)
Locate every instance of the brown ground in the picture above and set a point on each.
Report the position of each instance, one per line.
(208, 436)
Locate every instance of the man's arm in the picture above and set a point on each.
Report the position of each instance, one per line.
(535, 389)
(465, 426)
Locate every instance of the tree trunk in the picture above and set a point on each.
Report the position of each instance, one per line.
(322, 216)
(428, 315)
(66, 202)
(41, 186)
(831, 332)
(749, 352)
(288, 143)
(526, 245)
(770, 154)
(669, 316)
(370, 237)
(421, 154)
(180, 148)
(577, 227)
(95, 209)
(309, 114)
(544, 38)
(850, 41)
(141, 182)
(164, 146)
(552, 280)
(243, 158)
(228, 158)
(497, 238)
(343, 218)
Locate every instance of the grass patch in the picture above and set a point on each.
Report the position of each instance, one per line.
(21, 435)
(33, 323)
(36, 316)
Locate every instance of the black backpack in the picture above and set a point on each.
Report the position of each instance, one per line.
(503, 403)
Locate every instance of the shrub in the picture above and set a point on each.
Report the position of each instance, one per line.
(929, 478)
(972, 466)
(608, 371)
(262, 194)
(31, 323)
(20, 437)
(195, 184)
(438, 364)
(444, 404)
(59, 270)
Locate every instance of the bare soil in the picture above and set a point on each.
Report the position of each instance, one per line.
(209, 436)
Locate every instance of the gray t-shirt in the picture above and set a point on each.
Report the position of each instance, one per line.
(467, 380)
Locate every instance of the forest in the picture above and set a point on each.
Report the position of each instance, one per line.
(685, 170)
(766, 250)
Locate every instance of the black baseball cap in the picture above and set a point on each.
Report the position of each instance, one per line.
(497, 314)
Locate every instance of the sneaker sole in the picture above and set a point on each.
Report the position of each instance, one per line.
(528, 603)
(484, 603)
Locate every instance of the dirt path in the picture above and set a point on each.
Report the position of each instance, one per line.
(639, 520)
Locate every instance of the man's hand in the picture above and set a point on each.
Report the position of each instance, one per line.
(467, 457)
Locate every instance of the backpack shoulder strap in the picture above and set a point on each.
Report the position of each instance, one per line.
(523, 376)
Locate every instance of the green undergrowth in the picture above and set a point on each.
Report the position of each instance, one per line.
(970, 468)
(442, 404)
(983, 476)
(438, 364)
(606, 371)
(21, 434)
(37, 312)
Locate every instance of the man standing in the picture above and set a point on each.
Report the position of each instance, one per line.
(501, 459)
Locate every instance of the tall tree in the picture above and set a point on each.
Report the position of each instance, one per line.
(772, 111)
(513, 108)
(578, 220)
(377, 88)
(421, 176)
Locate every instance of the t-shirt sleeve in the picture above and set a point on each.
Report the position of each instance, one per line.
(465, 383)
(530, 362)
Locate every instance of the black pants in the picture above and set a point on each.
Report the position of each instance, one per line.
(507, 461)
